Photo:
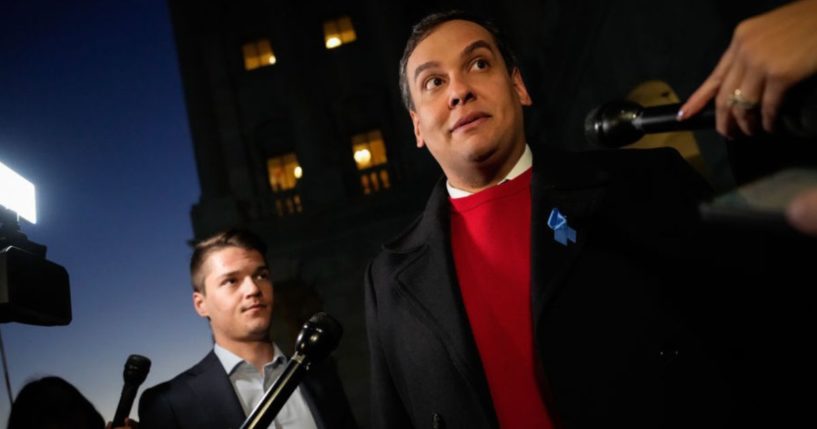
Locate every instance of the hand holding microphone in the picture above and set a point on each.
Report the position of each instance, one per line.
(619, 123)
(768, 54)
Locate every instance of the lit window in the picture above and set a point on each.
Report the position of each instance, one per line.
(258, 54)
(284, 173)
(369, 153)
(368, 149)
(339, 31)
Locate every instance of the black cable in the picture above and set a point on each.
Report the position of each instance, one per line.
(6, 371)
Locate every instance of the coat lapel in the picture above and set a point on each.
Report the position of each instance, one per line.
(323, 392)
(427, 279)
(216, 395)
(576, 190)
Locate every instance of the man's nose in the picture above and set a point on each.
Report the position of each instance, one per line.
(250, 287)
(459, 92)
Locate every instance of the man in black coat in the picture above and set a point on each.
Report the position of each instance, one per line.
(537, 289)
(233, 291)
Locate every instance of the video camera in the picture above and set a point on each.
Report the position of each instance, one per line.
(33, 290)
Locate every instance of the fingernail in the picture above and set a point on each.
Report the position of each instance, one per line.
(680, 115)
(796, 212)
(769, 127)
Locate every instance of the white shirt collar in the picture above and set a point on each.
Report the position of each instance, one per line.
(522, 165)
(230, 360)
(250, 384)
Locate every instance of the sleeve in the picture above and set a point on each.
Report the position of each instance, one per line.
(387, 409)
(155, 411)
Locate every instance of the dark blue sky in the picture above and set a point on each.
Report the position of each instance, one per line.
(92, 112)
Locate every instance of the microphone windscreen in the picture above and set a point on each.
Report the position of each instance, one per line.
(319, 336)
(136, 369)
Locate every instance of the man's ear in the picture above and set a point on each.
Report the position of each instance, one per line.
(417, 133)
(520, 88)
(200, 304)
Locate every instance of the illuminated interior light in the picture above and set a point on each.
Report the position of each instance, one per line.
(298, 172)
(333, 42)
(17, 194)
(363, 157)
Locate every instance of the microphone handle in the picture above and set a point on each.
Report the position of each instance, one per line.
(797, 120)
(125, 404)
(661, 119)
(275, 398)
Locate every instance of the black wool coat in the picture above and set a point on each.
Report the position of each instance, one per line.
(619, 340)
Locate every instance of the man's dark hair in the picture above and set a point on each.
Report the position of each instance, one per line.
(231, 238)
(52, 402)
(422, 29)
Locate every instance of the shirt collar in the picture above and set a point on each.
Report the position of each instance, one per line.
(522, 165)
(230, 361)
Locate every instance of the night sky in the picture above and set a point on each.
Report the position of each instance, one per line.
(92, 112)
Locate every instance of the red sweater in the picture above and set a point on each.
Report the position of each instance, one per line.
(490, 239)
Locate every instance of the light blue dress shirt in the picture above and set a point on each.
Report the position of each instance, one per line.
(250, 385)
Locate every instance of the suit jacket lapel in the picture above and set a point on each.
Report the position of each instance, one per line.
(576, 190)
(323, 392)
(427, 279)
(210, 383)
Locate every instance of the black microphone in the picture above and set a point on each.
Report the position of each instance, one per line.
(318, 337)
(135, 373)
(619, 123)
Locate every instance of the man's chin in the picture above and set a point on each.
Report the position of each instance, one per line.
(259, 335)
(481, 154)
(259, 327)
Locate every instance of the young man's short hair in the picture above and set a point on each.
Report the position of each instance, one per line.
(231, 238)
(422, 29)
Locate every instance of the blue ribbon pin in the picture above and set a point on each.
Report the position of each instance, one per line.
(562, 232)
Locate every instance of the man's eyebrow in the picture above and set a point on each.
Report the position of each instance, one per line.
(237, 272)
(228, 274)
(465, 52)
(424, 66)
(476, 45)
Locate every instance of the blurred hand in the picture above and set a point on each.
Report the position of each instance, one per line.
(129, 424)
(768, 54)
(802, 212)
